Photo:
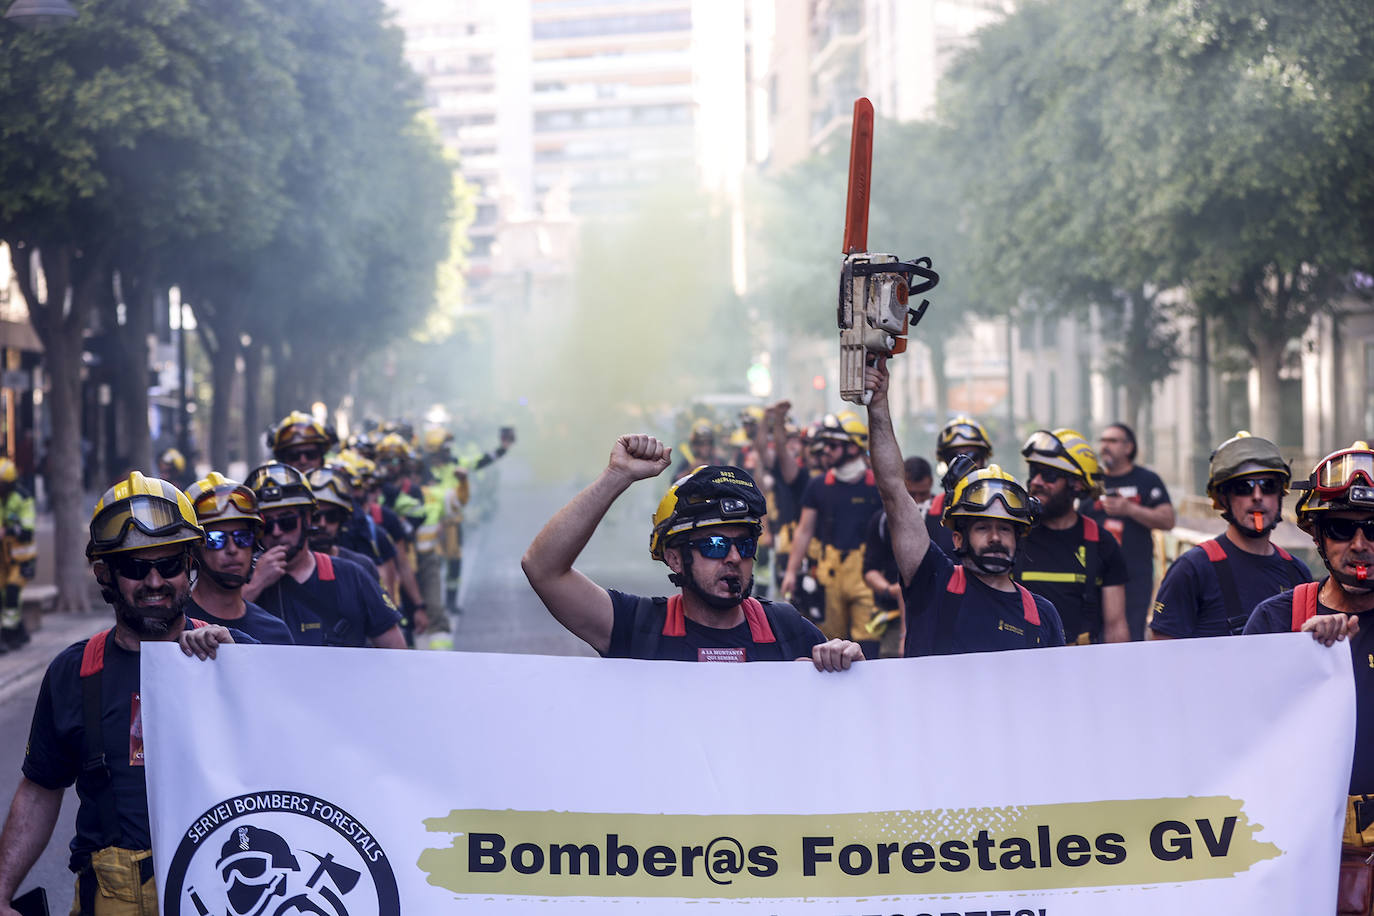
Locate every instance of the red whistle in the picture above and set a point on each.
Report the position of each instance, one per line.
(1259, 520)
(1361, 572)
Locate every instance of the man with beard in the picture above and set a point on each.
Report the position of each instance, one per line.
(87, 728)
(333, 507)
(324, 601)
(1338, 512)
(836, 509)
(706, 531)
(960, 436)
(1134, 502)
(301, 441)
(228, 511)
(972, 604)
(1212, 589)
(1066, 558)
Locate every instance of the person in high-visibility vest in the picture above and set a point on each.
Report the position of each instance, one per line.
(20, 554)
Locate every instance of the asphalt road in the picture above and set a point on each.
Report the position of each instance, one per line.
(500, 612)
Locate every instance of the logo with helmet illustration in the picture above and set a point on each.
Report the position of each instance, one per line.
(710, 496)
(278, 853)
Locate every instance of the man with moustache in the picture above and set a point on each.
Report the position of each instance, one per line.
(87, 728)
(1134, 502)
(333, 491)
(1212, 589)
(962, 435)
(324, 601)
(969, 602)
(1337, 510)
(1067, 558)
(228, 511)
(706, 531)
(301, 441)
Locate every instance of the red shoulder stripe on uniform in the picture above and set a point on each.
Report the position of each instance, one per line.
(1091, 533)
(830, 477)
(957, 581)
(326, 566)
(1029, 609)
(197, 623)
(93, 657)
(1283, 553)
(1304, 604)
(674, 624)
(869, 479)
(937, 505)
(1215, 552)
(759, 630)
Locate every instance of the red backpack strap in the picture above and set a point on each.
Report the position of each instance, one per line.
(197, 623)
(1283, 553)
(937, 506)
(830, 477)
(1304, 604)
(375, 510)
(325, 565)
(1215, 552)
(93, 657)
(869, 479)
(1029, 609)
(958, 581)
(759, 629)
(1091, 533)
(675, 623)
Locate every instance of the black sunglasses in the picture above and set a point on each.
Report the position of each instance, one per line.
(301, 454)
(283, 523)
(136, 570)
(331, 516)
(218, 540)
(1048, 474)
(1343, 529)
(717, 546)
(1244, 486)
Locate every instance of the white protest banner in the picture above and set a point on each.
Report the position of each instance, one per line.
(1197, 776)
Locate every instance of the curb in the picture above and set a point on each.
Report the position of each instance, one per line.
(59, 630)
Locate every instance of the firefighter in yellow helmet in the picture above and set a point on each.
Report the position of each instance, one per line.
(19, 554)
(1211, 589)
(836, 508)
(301, 441)
(1067, 558)
(967, 602)
(87, 725)
(962, 435)
(706, 531)
(1337, 511)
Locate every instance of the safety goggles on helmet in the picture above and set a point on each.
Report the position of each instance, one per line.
(152, 515)
(1337, 472)
(136, 570)
(214, 502)
(1043, 442)
(216, 539)
(963, 434)
(981, 494)
(717, 546)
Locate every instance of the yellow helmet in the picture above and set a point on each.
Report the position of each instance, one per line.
(174, 459)
(845, 427)
(393, 447)
(8, 472)
(298, 428)
(1244, 455)
(961, 433)
(278, 486)
(991, 492)
(708, 497)
(752, 415)
(436, 437)
(362, 471)
(141, 512)
(216, 498)
(332, 484)
(1335, 485)
(1065, 450)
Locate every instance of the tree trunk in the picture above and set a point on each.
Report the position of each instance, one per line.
(936, 345)
(1264, 415)
(253, 448)
(1202, 405)
(132, 343)
(60, 323)
(219, 335)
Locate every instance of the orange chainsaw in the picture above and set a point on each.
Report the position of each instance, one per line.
(873, 314)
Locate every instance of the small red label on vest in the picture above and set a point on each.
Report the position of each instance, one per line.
(135, 732)
(731, 654)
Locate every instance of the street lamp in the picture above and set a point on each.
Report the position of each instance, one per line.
(40, 14)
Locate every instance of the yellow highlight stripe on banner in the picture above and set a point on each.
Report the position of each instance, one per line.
(941, 851)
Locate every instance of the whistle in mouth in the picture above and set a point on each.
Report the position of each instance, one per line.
(1259, 520)
(1361, 572)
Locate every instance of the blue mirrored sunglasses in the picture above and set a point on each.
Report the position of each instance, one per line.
(717, 546)
(218, 540)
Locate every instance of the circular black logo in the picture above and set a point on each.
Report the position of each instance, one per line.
(279, 854)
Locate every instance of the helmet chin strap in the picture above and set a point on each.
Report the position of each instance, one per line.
(1351, 585)
(988, 565)
(740, 588)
